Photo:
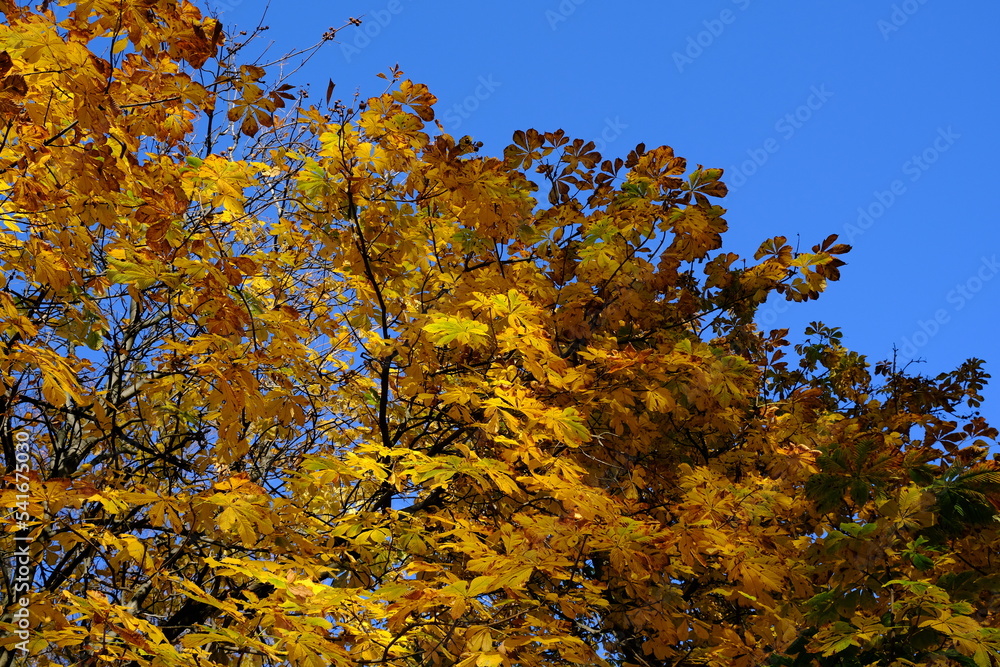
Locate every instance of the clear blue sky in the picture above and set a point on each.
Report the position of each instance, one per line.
(875, 122)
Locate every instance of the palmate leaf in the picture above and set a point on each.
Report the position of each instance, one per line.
(448, 329)
(355, 394)
(967, 496)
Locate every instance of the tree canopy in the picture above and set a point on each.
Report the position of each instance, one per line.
(318, 384)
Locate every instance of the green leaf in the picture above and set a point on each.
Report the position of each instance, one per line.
(447, 329)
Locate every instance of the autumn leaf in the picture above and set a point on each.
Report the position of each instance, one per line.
(301, 386)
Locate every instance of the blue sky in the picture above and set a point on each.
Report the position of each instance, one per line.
(873, 121)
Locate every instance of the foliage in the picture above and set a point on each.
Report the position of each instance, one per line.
(298, 385)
